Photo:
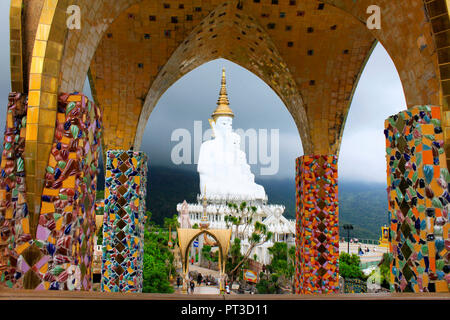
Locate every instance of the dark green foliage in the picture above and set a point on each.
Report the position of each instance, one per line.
(158, 260)
(208, 255)
(268, 284)
(100, 194)
(349, 266)
(280, 270)
(365, 206)
(100, 237)
(385, 270)
(281, 263)
(234, 256)
(166, 187)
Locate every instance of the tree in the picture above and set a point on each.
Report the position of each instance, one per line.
(171, 223)
(100, 195)
(100, 237)
(158, 260)
(268, 284)
(242, 219)
(207, 254)
(385, 270)
(281, 269)
(282, 262)
(349, 266)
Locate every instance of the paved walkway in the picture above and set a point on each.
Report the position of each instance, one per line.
(375, 254)
(203, 289)
(207, 290)
(204, 271)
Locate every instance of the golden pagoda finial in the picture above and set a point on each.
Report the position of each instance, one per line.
(223, 104)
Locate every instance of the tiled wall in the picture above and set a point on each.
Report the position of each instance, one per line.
(124, 220)
(317, 226)
(54, 250)
(418, 191)
(14, 218)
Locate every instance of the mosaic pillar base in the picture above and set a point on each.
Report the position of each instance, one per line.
(14, 224)
(418, 193)
(124, 220)
(58, 256)
(317, 226)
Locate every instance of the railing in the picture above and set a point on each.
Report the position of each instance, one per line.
(365, 265)
(363, 241)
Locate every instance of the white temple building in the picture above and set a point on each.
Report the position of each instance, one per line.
(225, 177)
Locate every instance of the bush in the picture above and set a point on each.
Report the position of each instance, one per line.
(349, 267)
(158, 261)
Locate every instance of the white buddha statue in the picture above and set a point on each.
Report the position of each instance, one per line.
(222, 164)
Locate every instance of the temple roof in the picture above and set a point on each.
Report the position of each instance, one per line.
(223, 104)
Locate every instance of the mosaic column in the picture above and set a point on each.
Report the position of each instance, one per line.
(124, 220)
(317, 225)
(418, 193)
(14, 223)
(58, 255)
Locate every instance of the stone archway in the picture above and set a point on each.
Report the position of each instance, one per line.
(186, 238)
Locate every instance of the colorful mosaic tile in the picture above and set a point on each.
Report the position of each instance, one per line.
(124, 220)
(317, 226)
(58, 255)
(355, 286)
(418, 192)
(14, 220)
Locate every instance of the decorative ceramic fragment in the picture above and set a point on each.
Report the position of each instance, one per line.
(124, 220)
(418, 200)
(317, 226)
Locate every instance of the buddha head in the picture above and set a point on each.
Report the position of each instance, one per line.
(224, 124)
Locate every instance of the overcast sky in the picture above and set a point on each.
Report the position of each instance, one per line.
(193, 98)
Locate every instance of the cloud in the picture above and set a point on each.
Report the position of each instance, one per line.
(379, 95)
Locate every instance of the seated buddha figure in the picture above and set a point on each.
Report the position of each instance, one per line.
(222, 165)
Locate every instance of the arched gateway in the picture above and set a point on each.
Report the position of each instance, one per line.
(311, 53)
(187, 236)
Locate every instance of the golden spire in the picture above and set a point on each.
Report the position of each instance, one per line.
(223, 104)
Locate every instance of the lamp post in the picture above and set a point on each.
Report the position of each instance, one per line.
(348, 227)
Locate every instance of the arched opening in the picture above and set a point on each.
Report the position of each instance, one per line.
(187, 238)
(362, 165)
(179, 123)
(186, 107)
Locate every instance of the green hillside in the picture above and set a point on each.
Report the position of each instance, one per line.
(365, 206)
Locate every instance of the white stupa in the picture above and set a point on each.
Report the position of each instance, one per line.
(225, 176)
